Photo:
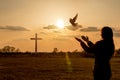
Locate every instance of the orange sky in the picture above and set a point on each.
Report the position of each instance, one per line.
(43, 12)
(26, 17)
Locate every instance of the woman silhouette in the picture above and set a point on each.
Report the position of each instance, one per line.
(103, 51)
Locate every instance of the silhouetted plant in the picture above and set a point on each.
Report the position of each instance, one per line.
(55, 50)
(9, 49)
(75, 51)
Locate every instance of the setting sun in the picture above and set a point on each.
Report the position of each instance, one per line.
(60, 23)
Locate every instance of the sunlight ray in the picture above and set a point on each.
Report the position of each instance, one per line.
(68, 63)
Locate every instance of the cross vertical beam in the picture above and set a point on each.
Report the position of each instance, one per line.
(36, 38)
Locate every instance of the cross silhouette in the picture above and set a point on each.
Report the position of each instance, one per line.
(36, 38)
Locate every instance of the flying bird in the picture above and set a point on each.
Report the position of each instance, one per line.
(72, 21)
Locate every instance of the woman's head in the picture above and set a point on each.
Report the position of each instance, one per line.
(107, 33)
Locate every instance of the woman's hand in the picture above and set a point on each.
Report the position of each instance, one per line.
(85, 38)
(79, 40)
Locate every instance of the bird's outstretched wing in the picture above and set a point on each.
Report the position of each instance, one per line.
(72, 21)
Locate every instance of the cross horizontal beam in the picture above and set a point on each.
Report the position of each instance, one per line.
(36, 38)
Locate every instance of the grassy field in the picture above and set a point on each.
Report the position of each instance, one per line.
(51, 67)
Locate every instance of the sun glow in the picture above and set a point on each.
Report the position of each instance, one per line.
(60, 23)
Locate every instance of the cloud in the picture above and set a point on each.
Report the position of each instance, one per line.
(73, 28)
(70, 27)
(115, 30)
(56, 31)
(116, 34)
(43, 33)
(50, 27)
(89, 29)
(13, 28)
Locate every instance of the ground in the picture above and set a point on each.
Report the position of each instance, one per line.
(50, 66)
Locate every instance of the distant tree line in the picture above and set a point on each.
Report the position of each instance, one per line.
(11, 49)
(7, 49)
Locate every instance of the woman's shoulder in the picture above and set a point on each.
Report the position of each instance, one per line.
(103, 42)
(100, 41)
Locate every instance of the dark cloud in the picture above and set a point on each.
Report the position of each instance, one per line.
(56, 31)
(50, 27)
(73, 28)
(115, 30)
(70, 27)
(43, 33)
(13, 28)
(89, 29)
(116, 34)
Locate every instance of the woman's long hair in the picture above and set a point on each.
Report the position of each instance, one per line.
(107, 35)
